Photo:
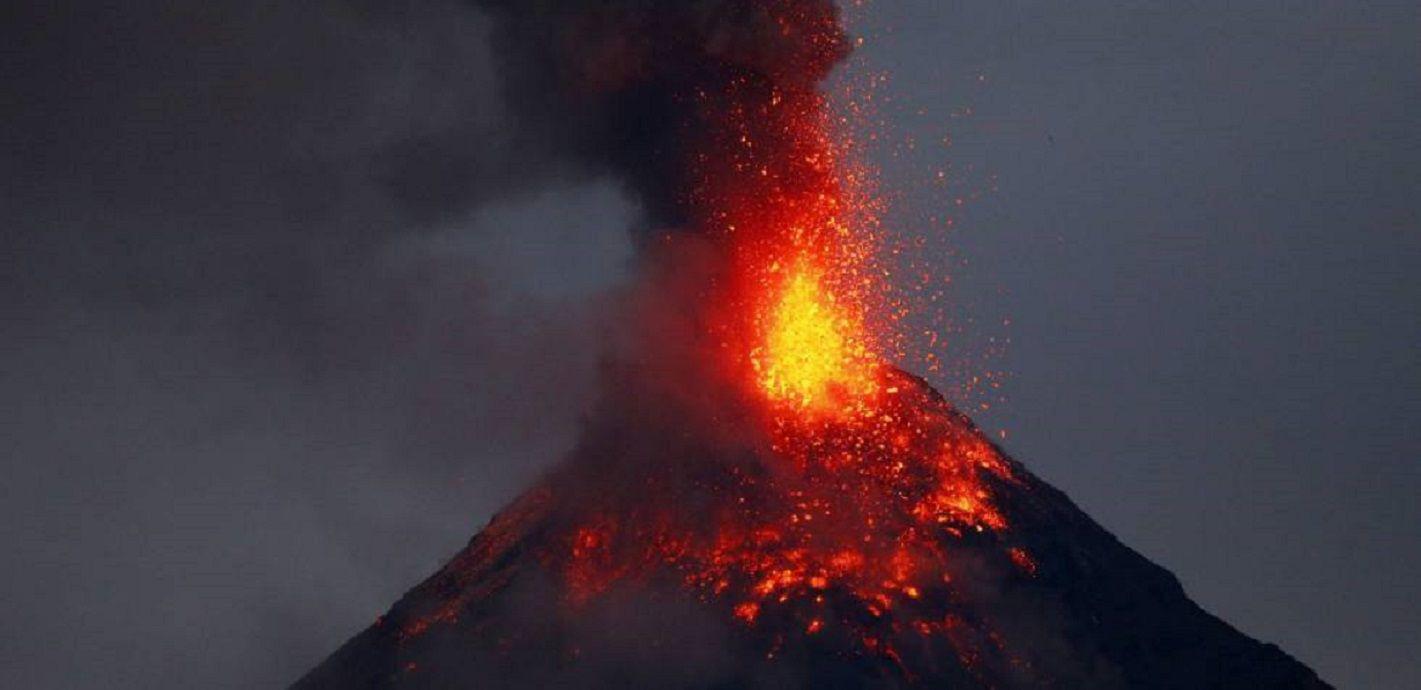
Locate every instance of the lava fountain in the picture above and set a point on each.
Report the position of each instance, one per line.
(844, 523)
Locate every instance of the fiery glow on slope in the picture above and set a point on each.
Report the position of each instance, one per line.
(853, 536)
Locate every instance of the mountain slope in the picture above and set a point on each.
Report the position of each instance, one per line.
(584, 583)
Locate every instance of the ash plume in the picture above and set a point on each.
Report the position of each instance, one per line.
(611, 88)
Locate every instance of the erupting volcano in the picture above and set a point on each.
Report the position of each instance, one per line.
(762, 497)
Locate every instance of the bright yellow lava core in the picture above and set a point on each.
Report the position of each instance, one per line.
(814, 353)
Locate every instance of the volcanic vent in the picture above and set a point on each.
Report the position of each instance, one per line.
(761, 498)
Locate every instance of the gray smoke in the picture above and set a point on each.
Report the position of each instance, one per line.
(254, 389)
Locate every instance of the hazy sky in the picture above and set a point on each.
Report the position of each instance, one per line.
(259, 380)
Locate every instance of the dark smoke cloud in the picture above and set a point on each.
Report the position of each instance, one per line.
(254, 390)
(612, 86)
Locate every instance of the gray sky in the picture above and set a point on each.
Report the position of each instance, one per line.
(1207, 236)
(251, 395)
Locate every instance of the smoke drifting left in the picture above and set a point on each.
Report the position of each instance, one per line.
(243, 355)
(615, 86)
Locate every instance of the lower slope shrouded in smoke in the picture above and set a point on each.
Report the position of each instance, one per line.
(667, 555)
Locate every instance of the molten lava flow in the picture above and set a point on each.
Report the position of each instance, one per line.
(848, 529)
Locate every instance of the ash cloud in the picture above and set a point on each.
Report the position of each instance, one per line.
(610, 87)
(252, 391)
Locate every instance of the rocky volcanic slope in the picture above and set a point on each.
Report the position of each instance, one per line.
(1084, 611)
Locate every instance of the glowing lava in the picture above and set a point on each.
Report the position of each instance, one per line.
(846, 525)
(813, 354)
(837, 509)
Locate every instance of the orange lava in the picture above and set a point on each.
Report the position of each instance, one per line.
(872, 478)
(812, 354)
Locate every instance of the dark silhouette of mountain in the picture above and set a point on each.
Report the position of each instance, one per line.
(1049, 599)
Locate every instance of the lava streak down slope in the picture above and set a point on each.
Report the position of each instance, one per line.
(732, 566)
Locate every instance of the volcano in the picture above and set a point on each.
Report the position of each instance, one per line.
(697, 573)
(761, 496)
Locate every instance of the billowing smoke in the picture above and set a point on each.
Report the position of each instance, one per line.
(620, 88)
